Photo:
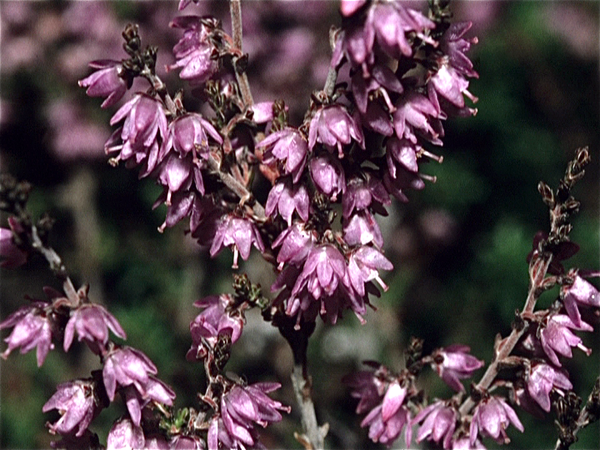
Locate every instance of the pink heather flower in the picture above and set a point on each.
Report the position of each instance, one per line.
(363, 267)
(78, 405)
(240, 234)
(368, 387)
(145, 121)
(296, 243)
(362, 194)
(109, 81)
(32, 329)
(243, 407)
(177, 174)
(362, 229)
(12, 256)
(189, 133)
(491, 418)
(181, 205)
(127, 366)
(451, 85)
(464, 443)
(154, 390)
(377, 119)
(403, 180)
(262, 112)
(181, 442)
(287, 198)
(349, 7)
(380, 78)
(439, 422)
(542, 379)
(194, 51)
(323, 271)
(454, 46)
(390, 22)
(328, 175)
(218, 316)
(401, 154)
(581, 292)
(332, 126)
(416, 114)
(453, 363)
(557, 337)
(288, 147)
(356, 44)
(124, 434)
(92, 323)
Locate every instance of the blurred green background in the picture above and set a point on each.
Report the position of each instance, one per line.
(458, 246)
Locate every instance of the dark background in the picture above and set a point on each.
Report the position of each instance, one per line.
(458, 247)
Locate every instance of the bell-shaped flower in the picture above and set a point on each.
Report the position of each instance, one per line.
(333, 127)
(154, 390)
(581, 292)
(125, 366)
(349, 7)
(110, 81)
(362, 229)
(454, 363)
(557, 337)
(364, 193)
(287, 198)
(363, 267)
(178, 174)
(454, 46)
(239, 233)
(491, 418)
(391, 22)
(328, 175)
(323, 271)
(377, 119)
(244, 406)
(194, 51)
(78, 405)
(92, 322)
(451, 85)
(32, 329)
(124, 434)
(439, 422)
(541, 379)
(12, 256)
(416, 114)
(218, 316)
(296, 243)
(144, 122)
(189, 134)
(380, 78)
(288, 147)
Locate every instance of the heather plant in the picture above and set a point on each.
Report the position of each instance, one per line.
(307, 196)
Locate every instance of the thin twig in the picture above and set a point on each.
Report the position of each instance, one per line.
(235, 9)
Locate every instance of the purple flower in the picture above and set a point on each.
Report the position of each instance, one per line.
(349, 7)
(390, 22)
(78, 405)
(296, 243)
(439, 422)
(287, 146)
(454, 46)
(451, 85)
(32, 329)
(356, 44)
(380, 78)
(145, 120)
(126, 366)
(491, 418)
(557, 337)
(328, 175)
(464, 443)
(287, 198)
(581, 292)
(194, 52)
(363, 266)
(12, 256)
(362, 229)
(361, 194)
(323, 271)
(218, 316)
(415, 113)
(332, 126)
(109, 81)
(177, 174)
(154, 390)
(541, 379)
(124, 434)
(243, 406)
(189, 133)
(385, 398)
(192, 442)
(239, 233)
(453, 363)
(92, 322)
